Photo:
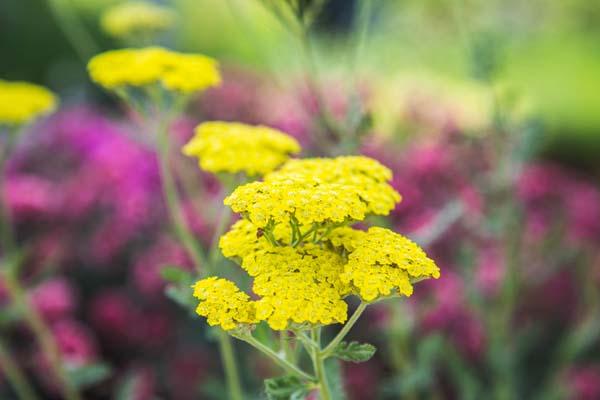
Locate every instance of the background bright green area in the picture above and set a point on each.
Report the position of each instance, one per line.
(547, 51)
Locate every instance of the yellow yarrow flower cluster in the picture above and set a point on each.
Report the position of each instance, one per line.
(223, 304)
(299, 285)
(185, 73)
(233, 147)
(383, 261)
(294, 241)
(279, 201)
(136, 18)
(21, 102)
(362, 175)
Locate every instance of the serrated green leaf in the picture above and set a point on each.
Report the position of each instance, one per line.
(286, 388)
(89, 375)
(354, 351)
(175, 274)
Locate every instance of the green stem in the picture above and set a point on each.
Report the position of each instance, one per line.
(7, 238)
(73, 29)
(319, 365)
(188, 239)
(232, 376)
(42, 333)
(15, 375)
(286, 365)
(173, 201)
(345, 329)
(222, 223)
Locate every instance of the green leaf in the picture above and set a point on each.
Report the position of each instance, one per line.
(89, 375)
(354, 351)
(181, 295)
(286, 388)
(175, 274)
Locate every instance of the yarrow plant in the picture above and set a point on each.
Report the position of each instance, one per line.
(158, 83)
(297, 242)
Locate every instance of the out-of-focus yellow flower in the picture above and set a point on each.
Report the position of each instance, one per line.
(185, 73)
(136, 18)
(383, 261)
(363, 175)
(223, 304)
(233, 147)
(21, 102)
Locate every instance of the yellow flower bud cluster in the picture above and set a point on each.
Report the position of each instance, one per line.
(178, 72)
(233, 147)
(22, 102)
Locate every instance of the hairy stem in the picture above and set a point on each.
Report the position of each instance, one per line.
(173, 201)
(319, 365)
(282, 362)
(232, 375)
(345, 329)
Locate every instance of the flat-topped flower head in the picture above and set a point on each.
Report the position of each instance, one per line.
(383, 262)
(298, 285)
(364, 175)
(308, 202)
(136, 18)
(223, 304)
(178, 72)
(232, 147)
(22, 102)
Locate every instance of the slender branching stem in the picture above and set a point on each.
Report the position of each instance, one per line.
(345, 329)
(282, 362)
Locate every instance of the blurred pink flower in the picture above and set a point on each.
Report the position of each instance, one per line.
(148, 265)
(187, 366)
(75, 341)
(113, 315)
(490, 270)
(54, 299)
(30, 197)
(361, 380)
(584, 383)
(451, 316)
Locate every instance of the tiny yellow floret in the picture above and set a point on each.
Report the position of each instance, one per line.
(383, 261)
(184, 73)
(22, 102)
(136, 18)
(234, 147)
